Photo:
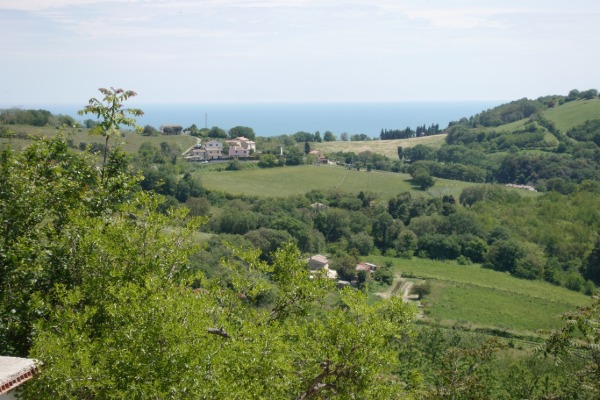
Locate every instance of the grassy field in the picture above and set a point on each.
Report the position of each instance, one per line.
(485, 298)
(573, 113)
(565, 116)
(386, 147)
(286, 181)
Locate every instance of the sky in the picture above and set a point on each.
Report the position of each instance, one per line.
(202, 51)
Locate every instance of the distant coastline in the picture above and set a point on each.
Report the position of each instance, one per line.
(273, 119)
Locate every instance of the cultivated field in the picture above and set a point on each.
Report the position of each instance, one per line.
(286, 181)
(472, 295)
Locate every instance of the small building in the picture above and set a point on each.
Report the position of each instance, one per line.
(197, 154)
(13, 372)
(365, 266)
(318, 262)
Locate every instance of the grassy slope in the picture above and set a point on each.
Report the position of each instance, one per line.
(386, 147)
(286, 181)
(565, 116)
(573, 113)
(487, 298)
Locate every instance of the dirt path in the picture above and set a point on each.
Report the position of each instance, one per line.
(399, 287)
(402, 287)
(198, 141)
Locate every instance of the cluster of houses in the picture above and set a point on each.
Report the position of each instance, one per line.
(239, 147)
(319, 262)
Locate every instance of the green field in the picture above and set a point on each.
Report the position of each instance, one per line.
(286, 181)
(485, 298)
(388, 148)
(573, 113)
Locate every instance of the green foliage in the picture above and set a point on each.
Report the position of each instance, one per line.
(242, 131)
(41, 189)
(581, 334)
(421, 178)
(589, 131)
(506, 113)
(112, 115)
(269, 161)
(329, 137)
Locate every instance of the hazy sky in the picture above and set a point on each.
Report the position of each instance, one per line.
(61, 51)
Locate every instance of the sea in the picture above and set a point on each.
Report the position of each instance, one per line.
(274, 119)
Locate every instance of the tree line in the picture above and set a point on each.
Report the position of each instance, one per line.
(389, 134)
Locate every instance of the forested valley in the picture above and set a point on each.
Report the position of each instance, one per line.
(126, 277)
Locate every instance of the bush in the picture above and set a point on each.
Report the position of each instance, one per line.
(422, 289)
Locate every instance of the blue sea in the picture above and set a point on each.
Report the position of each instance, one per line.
(273, 119)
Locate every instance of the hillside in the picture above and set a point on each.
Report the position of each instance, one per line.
(574, 113)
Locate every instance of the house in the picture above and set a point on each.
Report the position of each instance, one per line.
(197, 154)
(214, 150)
(238, 151)
(13, 372)
(319, 262)
(365, 266)
(243, 143)
(319, 157)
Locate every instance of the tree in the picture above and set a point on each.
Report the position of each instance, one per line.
(421, 178)
(329, 136)
(217, 133)
(344, 136)
(42, 189)
(345, 266)
(294, 156)
(149, 130)
(242, 131)
(503, 255)
(306, 148)
(579, 338)
(592, 267)
(112, 115)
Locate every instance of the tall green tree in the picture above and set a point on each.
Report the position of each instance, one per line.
(112, 115)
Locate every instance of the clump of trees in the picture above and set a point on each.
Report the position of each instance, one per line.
(17, 116)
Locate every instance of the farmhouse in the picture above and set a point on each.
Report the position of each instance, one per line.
(319, 262)
(365, 266)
